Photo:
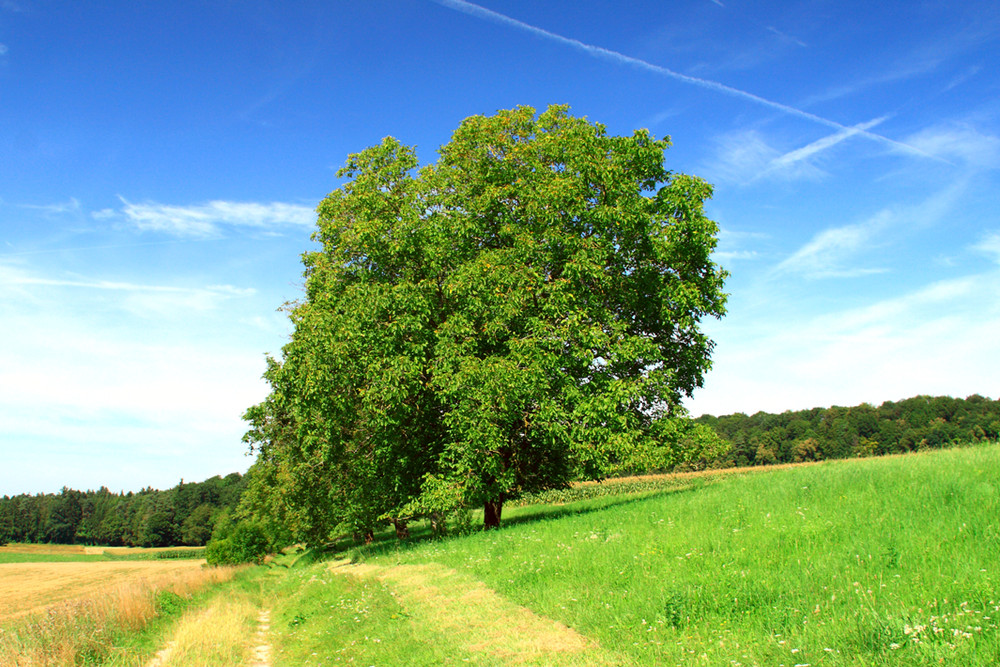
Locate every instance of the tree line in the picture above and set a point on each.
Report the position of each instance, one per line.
(921, 422)
(183, 515)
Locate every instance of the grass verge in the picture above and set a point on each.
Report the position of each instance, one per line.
(74, 553)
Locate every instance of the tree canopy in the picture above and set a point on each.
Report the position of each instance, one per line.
(524, 312)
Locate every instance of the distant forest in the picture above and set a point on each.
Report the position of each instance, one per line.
(183, 515)
(922, 422)
(188, 513)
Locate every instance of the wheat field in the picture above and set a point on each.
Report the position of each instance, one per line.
(65, 613)
(26, 588)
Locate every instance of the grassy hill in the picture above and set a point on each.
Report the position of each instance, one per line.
(861, 562)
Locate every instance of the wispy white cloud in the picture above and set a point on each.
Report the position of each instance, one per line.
(105, 214)
(925, 58)
(206, 220)
(86, 394)
(900, 72)
(785, 36)
(745, 157)
(960, 142)
(3, 49)
(990, 245)
(109, 285)
(727, 235)
(937, 339)
(94, 370)
(729, 256)
(828, 254)
(660, 117)
(733, 246)
(739, 157)
(620, 58)
(834, 252)
(963, 77)
(136, 298)
(59, 208)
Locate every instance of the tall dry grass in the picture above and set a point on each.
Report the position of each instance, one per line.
(87, 628)
(27, 588)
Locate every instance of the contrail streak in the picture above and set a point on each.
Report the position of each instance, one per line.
(614, 56)
(824, 143)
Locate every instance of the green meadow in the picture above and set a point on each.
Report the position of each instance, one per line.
(890, 561)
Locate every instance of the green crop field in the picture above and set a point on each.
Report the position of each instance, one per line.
(74, 553)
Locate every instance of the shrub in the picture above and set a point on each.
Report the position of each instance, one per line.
(247, 543)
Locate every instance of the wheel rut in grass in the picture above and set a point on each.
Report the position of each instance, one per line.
(447, 602)
(162, 656)
(261, 654)
(217, 634)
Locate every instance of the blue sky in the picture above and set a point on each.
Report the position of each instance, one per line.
(160, 163)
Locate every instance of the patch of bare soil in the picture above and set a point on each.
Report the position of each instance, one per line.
(162, 656)
(260, 656)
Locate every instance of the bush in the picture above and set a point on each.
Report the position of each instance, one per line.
(247, 543)
(219, 552)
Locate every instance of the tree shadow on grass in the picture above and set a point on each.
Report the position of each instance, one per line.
(386, 542)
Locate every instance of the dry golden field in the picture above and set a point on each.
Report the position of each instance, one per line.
(27, 587)
(58, 603)
(44, 549)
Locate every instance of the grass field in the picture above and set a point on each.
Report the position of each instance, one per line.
(892, 561)
(46, 553)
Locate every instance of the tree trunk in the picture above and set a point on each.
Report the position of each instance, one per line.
(363, 536)
(402, 530)
(438, 524)
(491, 513)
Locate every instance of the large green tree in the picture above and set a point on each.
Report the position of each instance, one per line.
(524, 312)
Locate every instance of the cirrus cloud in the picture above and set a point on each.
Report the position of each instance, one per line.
(961, 142)
(205, 220)
(990, 245)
